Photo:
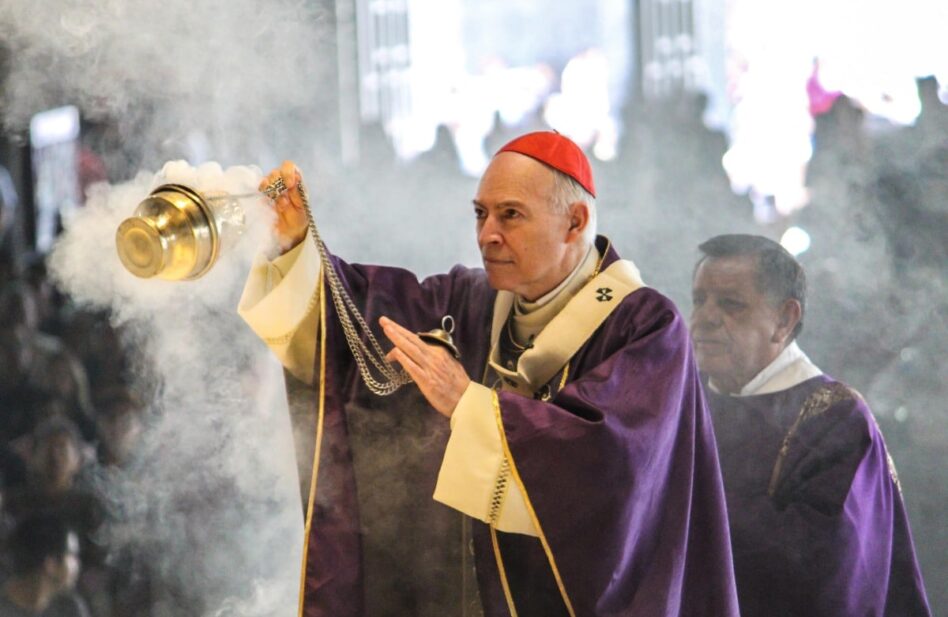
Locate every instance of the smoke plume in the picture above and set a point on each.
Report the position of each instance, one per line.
(210, 499)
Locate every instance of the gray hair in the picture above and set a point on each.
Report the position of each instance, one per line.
(567, 191)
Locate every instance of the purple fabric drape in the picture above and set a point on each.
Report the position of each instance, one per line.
(833, 540)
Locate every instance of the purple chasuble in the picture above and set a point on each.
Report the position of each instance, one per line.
(833, 539)
(619, 466)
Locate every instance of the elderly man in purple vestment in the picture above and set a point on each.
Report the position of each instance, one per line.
(580, 445)
(817, 520)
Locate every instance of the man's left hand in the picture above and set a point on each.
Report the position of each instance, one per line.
(438, 375)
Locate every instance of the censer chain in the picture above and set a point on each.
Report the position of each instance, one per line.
(392, 378)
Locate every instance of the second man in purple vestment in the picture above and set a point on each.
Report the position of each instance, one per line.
(817, 520)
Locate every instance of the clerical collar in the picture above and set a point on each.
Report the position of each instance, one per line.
(529, 318)
(790, 368)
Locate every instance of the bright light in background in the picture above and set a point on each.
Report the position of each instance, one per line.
(470, 67)
(581, 109)
(53, 135)
(795, 240)
(871, 51)
(54, 126)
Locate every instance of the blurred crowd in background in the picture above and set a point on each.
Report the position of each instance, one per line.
(70, 416)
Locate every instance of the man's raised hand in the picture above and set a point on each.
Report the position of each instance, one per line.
(438, 375)
(291, 222)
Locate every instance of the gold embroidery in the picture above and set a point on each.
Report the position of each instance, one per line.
(815, 405)
(824, 398)
(499, 495)
(893, 473)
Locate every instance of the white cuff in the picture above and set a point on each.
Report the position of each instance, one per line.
(278, 294)
(474, 469)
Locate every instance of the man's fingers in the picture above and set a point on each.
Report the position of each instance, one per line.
(411, 367)
(291, 179)
(283, 209)
(404, 339)
(437, 374)
(288, 171)
(290, 174)
(285, 206)
(396, 327)
(269, 179)
(295, 199)
(284, 212)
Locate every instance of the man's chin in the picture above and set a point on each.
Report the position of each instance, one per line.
(712, 366)
(498, 281)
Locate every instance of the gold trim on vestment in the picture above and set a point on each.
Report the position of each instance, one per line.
(503, 573)
(602, 257)
(889, 461)
(893, 472)
(319, 436)
(530, 511)
(563, 380)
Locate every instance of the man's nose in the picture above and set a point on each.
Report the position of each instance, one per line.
(488, 232)
(705, 317)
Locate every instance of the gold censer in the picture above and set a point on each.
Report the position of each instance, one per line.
(176, 233)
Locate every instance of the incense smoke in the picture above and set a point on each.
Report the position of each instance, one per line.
(210, 498)
(214, 79)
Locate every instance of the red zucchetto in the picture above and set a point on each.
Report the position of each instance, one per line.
(558, 152)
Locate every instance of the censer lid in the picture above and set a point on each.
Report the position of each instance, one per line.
(172, 235)
(141, 248)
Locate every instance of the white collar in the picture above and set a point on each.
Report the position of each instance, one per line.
(524, 307)
(791, 367)
(529, 318)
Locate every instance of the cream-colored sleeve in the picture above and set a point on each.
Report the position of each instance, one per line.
(475, 477)
(279, 304)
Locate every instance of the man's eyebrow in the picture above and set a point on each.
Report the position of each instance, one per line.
(717, 290)
(501, 204)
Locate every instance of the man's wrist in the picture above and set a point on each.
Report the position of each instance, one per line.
(288, 244)
(473, 398)
(462, 388)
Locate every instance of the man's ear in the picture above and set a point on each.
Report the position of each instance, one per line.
(578, 220)
(789, 315)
